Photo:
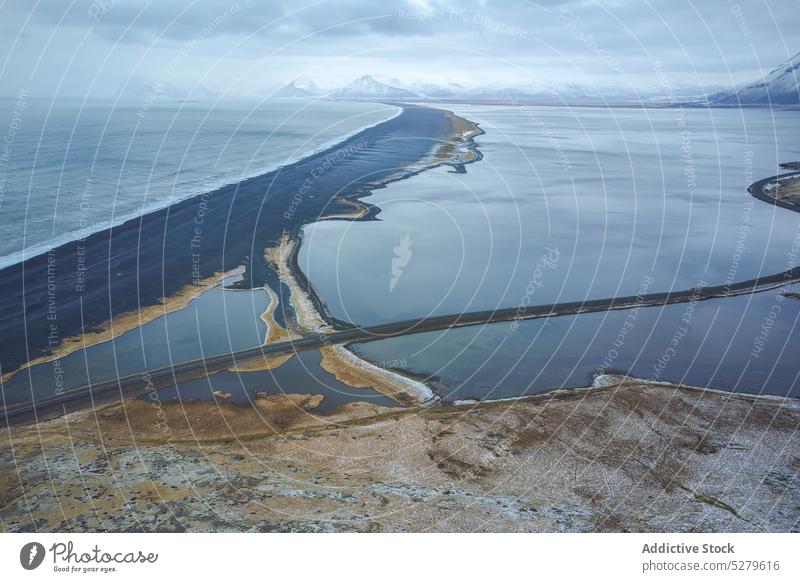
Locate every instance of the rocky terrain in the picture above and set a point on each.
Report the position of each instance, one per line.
(624, 455)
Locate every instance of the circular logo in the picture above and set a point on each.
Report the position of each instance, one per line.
(31, 555)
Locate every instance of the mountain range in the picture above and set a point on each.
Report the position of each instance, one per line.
(779, 87)
(300, 89)
(375, 87)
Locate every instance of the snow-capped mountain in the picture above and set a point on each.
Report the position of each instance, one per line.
(370, 87)
(297, 88)
(780, 87)
(540, 91)
(681, 92)
(379, 88)
(374, 87)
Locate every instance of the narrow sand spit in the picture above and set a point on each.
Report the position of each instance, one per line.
(359, 373)
(275, 333)
(338, 360)
(458, 148)
(308, 319)
(261, 363)
(354, 211)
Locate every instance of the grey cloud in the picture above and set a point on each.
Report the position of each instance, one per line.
(181, 21)
(619, 42)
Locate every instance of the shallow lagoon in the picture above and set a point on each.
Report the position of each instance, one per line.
(218, 321)
(301, 374)
(743, 344)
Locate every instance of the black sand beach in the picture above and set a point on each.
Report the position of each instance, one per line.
(77, 288)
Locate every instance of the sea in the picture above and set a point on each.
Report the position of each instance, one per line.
(71, 168)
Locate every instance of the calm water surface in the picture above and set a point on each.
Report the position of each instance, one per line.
(742, 344)
(618, 196)
(217, 322)
(301, 374)
(572, 204)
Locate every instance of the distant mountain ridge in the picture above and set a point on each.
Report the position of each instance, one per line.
(370, 87)
(780, 87)
(300, 89)
(375, 87)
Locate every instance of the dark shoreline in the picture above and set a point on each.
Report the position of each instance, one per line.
(79, 287)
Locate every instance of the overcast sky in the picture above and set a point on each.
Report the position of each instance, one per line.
(95, 48)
